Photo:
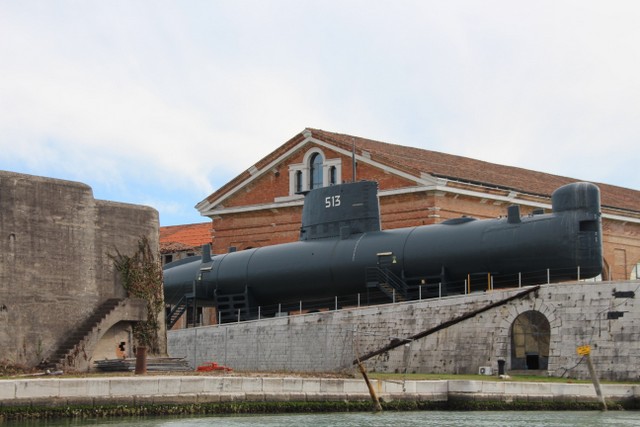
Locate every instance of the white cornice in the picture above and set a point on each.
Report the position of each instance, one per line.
(207, 208)
(425, 182)
(423, 179)
(512, 198)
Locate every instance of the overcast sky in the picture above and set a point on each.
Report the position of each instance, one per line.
(162, 102)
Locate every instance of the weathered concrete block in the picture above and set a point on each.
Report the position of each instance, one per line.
(29, 389)
(232, 397)
(213, 384)
(331, 397)
(355, 386)
(182, 399)
(133, 386)
(169, 386)
(460, 386)
(432, 386)
(84, 387)
(254, 397)
(273, 385)
(571, 389)
(493, 387)
(208, 398)
(232, 384)
(252, 385)
(392, 387)
(331, 386)
(7, 389)
(193, 385)
(310, 385)
(281, 397)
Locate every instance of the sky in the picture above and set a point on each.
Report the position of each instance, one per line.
(162, 102)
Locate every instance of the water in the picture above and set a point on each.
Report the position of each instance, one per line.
(391, 419)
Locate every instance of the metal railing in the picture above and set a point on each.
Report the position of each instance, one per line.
(413, 292)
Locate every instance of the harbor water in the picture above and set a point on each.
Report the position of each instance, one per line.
(392, 419)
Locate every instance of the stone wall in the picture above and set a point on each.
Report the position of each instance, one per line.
(577, 314)
(54, 265)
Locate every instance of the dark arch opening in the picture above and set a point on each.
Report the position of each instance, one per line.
(530, 337)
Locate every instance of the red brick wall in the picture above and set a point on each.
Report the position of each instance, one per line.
(273, 226)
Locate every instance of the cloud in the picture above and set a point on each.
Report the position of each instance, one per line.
(136, 97)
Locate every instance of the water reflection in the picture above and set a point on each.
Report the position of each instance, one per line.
(391, 419)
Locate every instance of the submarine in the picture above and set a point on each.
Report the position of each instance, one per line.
(342, 251)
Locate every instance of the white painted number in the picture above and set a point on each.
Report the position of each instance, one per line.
(332, 201)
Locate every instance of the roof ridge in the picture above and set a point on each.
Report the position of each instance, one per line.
(417, 161)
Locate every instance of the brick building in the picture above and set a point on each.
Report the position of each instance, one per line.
(181, 241)
(261, 206)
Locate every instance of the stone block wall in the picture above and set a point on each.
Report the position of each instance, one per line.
(577, 314)
(54, 266)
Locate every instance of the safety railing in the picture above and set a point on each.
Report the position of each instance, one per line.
(420, 290)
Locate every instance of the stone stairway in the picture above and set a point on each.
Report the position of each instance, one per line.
(72, 346)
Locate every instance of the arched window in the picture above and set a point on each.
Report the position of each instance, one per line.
(315, 171)
(299, 184)
(333, 175)
(530, 337)
(315, 168)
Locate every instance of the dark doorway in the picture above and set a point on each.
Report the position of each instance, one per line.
(530, 336)
(533, 361)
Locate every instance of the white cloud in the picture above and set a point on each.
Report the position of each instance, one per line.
(185, 95)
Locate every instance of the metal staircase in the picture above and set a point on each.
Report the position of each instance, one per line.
(388, 283)
(178, 310)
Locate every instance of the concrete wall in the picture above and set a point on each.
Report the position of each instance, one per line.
(204, 389)
(576, 312)
(54, 266)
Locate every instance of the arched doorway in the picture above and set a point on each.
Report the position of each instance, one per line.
(530, 336)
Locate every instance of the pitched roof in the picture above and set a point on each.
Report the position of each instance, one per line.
(418, 161)
(476, 171)
(175, 238)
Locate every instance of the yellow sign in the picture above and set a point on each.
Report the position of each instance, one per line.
(584, 350)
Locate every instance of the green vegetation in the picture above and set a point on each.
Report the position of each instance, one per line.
(142, 278)
(471, 377)
(8, 413)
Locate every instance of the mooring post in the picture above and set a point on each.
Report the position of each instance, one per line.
(585, 351)
(141, 360)
(372, 392)
(596, 382)
(363, 371)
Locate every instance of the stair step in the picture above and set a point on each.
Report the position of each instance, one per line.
(87, 327)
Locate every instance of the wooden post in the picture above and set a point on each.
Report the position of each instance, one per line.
(596, 382)
(374, 397)
(585, 351)
(372, 392)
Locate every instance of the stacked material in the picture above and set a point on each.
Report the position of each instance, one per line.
(154, 364)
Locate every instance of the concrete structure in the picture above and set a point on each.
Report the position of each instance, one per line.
(55, 272)
(137, 391)
(539, 332)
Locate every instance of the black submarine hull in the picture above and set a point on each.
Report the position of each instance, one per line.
(337, 256)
